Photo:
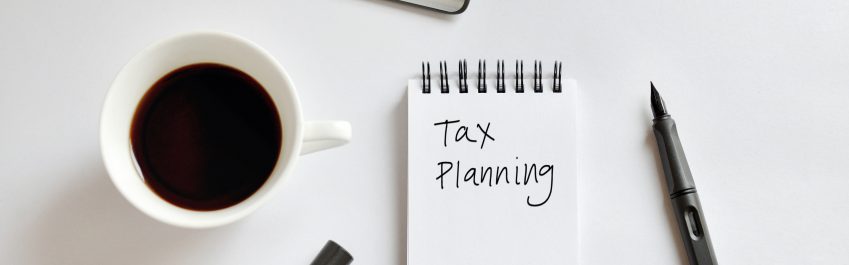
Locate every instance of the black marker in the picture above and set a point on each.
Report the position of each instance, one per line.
(682, 189)
(332, 254)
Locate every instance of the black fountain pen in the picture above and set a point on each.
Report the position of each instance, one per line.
(682, 189)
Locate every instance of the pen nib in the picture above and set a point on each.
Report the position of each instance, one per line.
(658, 108)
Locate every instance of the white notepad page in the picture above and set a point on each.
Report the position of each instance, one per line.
(451, 220)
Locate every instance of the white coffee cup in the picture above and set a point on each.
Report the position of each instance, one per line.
(299, 137)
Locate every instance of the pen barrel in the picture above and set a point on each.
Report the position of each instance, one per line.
(682, 192)
(675, 167)
(693, 231)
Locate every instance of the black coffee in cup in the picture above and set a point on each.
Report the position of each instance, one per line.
(206, 136)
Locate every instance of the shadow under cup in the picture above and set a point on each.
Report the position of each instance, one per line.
(228, 198)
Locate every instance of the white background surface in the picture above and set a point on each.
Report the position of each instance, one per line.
(759, 90)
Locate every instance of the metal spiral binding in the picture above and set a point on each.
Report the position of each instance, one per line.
(537, 77)
(426, 78)
(464, 77)
(557, 77)
(520, 76)
(481, 76)
(499, 76)
(443, 77)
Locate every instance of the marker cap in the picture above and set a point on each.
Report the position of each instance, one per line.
(332, 254)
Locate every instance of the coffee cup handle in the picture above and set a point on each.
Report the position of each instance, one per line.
(320, 135)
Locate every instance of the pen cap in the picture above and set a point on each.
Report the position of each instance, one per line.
(675, 166)
(332, 254)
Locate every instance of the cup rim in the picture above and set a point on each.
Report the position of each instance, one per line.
(129, 181)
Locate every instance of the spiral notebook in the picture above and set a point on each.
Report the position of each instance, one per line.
(492, 166)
